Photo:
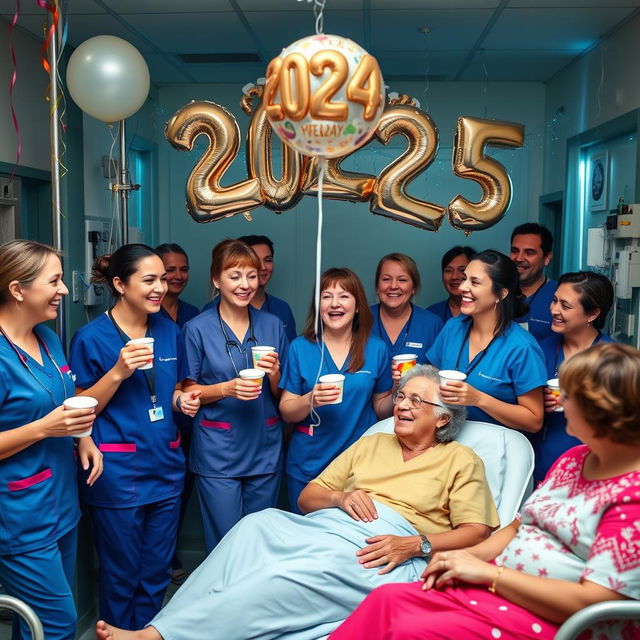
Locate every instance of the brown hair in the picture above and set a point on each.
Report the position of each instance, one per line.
(22, 260)
(407, 262)
(122, 264)
(362, 320)
(603, 381)
(232, 253)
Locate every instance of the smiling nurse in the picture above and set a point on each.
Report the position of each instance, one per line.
(350, 349)
(503, 363)
(134, 507)
(39, 506)
(236, 453)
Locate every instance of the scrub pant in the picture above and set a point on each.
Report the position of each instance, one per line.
(135, 546)
(189, 483)
(294, 489)
(42, 578)
(223, 501)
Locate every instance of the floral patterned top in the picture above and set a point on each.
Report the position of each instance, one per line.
(573, 528)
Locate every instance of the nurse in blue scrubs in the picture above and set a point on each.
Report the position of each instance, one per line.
(135, 505)
(402, 326)
(578, 312)
(236, 452)
(262, 300)
(503, 362)
(532, 250)
(453, 264)
(39, 507)
(341, 342)
(176, 264)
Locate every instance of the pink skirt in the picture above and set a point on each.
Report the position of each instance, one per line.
(406, 612)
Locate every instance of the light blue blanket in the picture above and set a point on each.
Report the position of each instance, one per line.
(281, 575)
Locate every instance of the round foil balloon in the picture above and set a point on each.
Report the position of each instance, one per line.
(324, 95)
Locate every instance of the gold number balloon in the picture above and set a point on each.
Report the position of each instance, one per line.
(470, 162)
(206, 199)
(278, 194)
(389, 197)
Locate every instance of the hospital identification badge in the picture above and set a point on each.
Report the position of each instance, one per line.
(156, 414)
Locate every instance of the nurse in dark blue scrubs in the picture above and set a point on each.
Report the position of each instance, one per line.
(176, 263)
(236, 453)
(135, 505)
(39, 507)
(402, 326)
(578, 312)
(453, 264)
(503, 362)
(341, 343)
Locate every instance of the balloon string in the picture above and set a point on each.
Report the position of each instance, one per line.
(12, 84)
(318, 12)
(322, 166)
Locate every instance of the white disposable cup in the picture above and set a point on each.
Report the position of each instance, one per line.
(147, 342)
(451, 375)
(81, 402)
(258, 352)
(554, 387)
(255, 375)
(404, 361)
(337, 380)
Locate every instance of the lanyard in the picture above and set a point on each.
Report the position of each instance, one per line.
(560, 349)
(232, 343)
(532, 297)
(477, 360)
(149, 374)
(25, 363)
(406, 333)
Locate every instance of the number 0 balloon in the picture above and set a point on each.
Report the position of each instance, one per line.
(324, 96)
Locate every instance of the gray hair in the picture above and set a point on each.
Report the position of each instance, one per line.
(457, 414)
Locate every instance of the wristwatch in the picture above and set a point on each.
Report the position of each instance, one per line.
(425, 547)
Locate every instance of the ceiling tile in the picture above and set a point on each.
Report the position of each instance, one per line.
(435, 4)
(434, 65)
(576, 4)
(8, 7)
(83, 27)
(516, 66)
(290, 5)
(278, 29)
(392, 30)
(167, 6)
(549, 28)
(186, 33)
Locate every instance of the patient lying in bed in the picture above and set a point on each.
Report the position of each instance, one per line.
(370, 518)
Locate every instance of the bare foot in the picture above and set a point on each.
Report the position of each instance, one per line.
(105, 631)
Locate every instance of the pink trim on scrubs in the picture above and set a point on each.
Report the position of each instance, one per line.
(18, 485)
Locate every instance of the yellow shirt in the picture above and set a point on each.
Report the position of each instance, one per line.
(436, 491)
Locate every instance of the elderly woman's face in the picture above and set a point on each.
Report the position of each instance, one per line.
(418, 423)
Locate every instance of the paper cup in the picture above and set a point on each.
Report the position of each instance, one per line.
(255, 375)
(554, 387)
(451, 375)
(258, 352)
(404, 361)
(81, 402)
(337, 380)
(147, 342)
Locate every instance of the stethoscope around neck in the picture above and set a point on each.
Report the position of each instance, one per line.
(230, 344)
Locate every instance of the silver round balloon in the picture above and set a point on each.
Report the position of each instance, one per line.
(108, 78)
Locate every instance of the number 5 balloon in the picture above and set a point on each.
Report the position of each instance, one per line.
(470, 162)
